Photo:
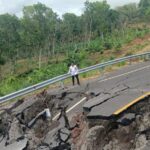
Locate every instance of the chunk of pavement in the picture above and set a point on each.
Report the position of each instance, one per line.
(126, 119)
(61, 123)
(15, 131)
(51, 138)
(26, 104)
(95, 101)
(18, 145)
(95, 91)
(105, 110)
(64, 134)
(57, 136)
(42, 113)
(119, 88)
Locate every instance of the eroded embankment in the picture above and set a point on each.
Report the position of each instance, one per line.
(24, 126)
(128, 131)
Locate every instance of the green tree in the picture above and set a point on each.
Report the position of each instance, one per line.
(39, 24)
(128, 13)
(144, 6)
(70, 26)
(96, 15)
(9, 38)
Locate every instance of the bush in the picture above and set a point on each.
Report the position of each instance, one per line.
(95, 46)
(76, 57)
(108, 44)
(117, 46)
(2, 60)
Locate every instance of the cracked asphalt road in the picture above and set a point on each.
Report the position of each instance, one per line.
(99, 98)
(127, 84)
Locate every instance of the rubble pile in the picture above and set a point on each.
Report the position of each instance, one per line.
(129, 131)
(25, 125)
(43, 122)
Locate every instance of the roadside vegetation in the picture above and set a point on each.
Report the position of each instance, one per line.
(40, 45)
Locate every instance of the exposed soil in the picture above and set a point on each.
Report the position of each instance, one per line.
(129, 131)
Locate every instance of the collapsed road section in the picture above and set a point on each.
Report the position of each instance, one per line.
(106, 114)
(128, 130)
(40, 122)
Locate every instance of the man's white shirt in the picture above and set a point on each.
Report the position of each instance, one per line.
(73, 70)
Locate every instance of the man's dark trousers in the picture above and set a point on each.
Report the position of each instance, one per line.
(75, 76)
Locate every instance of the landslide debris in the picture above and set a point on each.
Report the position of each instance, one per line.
(25, 125)
(129, 131)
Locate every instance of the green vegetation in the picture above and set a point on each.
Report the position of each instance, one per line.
(40, 45)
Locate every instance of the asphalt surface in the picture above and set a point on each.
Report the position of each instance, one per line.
(16, 145)
(113, 91)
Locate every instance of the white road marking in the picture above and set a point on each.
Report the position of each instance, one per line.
(56, 117)
(83, 99)
(124, 74)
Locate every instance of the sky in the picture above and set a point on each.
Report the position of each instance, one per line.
(58, 6)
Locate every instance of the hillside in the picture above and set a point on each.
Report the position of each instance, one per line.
(40, 45)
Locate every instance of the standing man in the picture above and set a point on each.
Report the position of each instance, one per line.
(73, 70)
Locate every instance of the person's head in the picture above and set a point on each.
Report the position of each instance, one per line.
(72, 64)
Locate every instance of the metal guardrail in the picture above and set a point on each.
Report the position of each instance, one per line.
(65, 76)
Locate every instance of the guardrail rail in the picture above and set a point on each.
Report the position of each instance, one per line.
(65, 76)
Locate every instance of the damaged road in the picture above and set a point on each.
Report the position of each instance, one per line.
(26, 124)
(82, 117)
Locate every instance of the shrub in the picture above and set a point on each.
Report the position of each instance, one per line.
(117, 46)
(108, 44)
(2, 60)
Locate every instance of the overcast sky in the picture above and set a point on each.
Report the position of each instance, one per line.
(59, 6)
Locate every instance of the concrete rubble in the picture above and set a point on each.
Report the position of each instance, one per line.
(26, 125)
(130, 131)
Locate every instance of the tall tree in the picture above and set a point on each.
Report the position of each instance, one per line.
(128, 13)
(9, 37)
(96, 15)
(39, 27)
(70, 26)
(144, 7)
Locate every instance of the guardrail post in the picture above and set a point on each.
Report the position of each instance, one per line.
(143, 58)
(101, 69)
(149, 57)
(62, 84)
(130, 62)
(146, 57)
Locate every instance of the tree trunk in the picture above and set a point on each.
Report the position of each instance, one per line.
(90, 32)
(102, 35)
(0, 72)
(53, 47)
(40, 57)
